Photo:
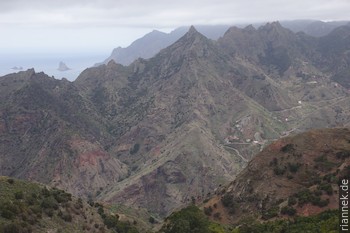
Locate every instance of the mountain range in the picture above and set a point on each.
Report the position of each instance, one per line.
(150, 44)
(167, 131)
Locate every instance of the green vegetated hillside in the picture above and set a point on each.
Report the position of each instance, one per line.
(295, 175)
(31, 207)
(193, 220)
(291, 186)
(162, 132)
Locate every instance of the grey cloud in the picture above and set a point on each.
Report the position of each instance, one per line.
(160, 14)
(109, 23)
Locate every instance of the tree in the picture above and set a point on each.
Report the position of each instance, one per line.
(188, 220)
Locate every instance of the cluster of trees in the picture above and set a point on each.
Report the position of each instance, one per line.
(112, 221)
(192, 220)
(326, 222)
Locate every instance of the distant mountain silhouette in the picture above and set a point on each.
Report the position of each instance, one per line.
(150, 44)
(314, 28)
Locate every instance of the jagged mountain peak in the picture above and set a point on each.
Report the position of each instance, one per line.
(192, 29)
(192, 34)
(272, 27)
(236, 30)
(271, 45)
(232, 30)
(30, 71)
(237, 33)
(267, 29)
(191, 45)
(250, 28)
(27, 73)
(275, 29)
(274, 24)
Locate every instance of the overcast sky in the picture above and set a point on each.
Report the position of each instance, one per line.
(100, 25)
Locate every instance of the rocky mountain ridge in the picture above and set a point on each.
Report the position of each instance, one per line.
(150, 44)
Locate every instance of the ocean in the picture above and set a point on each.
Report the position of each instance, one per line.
(48, 63)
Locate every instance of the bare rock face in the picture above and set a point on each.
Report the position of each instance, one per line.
(90, 172)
